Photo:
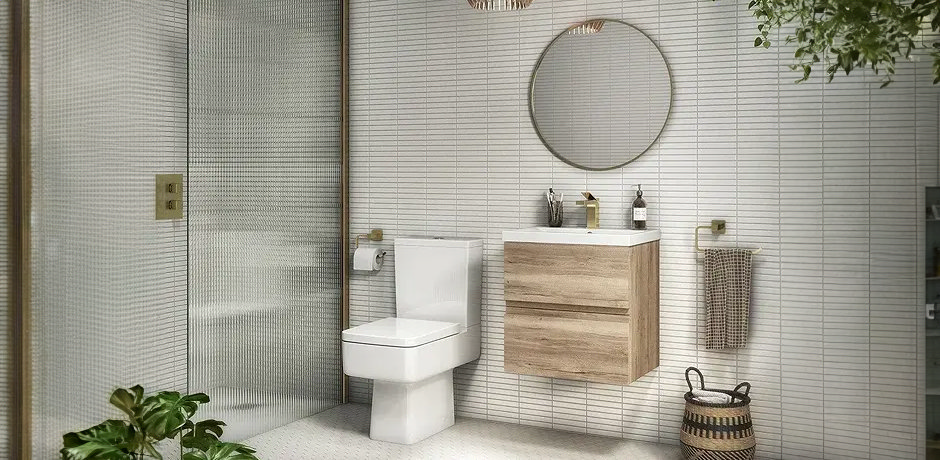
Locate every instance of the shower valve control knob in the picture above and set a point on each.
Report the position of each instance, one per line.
(169, 196)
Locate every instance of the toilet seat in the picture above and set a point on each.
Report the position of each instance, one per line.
(400, 332)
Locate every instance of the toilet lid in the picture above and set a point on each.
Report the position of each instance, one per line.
(400, 332)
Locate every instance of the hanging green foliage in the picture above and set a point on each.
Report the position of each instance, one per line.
(846, 34)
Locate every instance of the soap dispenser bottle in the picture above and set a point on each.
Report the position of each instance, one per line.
(639, 210)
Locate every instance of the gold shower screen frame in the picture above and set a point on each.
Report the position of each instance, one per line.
(344, 179)
(18, 230)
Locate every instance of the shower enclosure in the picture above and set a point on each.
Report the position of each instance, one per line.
(242, 297)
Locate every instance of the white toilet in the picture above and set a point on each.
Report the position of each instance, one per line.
(412, 357)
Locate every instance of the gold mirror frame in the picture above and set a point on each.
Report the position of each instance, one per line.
(587, 27)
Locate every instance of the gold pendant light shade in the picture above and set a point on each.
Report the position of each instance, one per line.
(587, 27)
(499, 5)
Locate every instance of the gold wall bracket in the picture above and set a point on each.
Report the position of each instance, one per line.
(374, 235)
(169, 196)
(718, 227)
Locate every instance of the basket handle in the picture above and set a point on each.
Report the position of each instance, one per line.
(743, 384)
(700, 377)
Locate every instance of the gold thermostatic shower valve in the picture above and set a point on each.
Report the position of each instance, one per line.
(169, 196)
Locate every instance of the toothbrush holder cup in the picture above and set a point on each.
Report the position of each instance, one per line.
(555, 213)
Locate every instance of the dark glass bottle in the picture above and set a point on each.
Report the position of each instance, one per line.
(639, 210)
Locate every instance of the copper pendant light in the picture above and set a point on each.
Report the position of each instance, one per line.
(499, 5)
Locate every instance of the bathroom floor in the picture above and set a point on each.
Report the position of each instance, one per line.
(343, 433)
(246, 420)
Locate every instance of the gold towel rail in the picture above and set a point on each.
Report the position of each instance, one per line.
(718, 228)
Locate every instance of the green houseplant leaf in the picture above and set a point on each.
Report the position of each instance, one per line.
(223, 451)
(202, 435)
(150, 420)
(109, 440)
(165, 413)
(128, 401)
(844, 35)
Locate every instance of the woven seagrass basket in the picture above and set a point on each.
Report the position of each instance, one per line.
(712, 431)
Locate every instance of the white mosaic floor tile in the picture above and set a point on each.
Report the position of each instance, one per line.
(343, 433)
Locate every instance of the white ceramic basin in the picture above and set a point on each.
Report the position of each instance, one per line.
(568, 235)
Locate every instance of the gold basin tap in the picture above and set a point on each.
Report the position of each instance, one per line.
(593, 208)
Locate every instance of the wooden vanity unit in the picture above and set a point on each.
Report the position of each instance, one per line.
(582, 312)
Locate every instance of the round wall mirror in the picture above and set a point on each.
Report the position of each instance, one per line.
(600, 94)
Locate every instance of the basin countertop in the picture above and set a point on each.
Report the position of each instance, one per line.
(571, 235)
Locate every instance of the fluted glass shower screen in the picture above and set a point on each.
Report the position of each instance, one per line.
(239, 298)
(6, 347)
(108, 295)
(264, 209)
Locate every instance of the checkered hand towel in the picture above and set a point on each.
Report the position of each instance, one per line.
(727, 297)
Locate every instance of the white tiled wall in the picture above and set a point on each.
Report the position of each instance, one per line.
(826, 178)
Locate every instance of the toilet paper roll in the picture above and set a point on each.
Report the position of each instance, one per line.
(368, 259)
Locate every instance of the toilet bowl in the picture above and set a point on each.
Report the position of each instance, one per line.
(413, 366)
(411, 357)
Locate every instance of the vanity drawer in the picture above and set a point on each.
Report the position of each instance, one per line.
(609, 277)
(568, 344)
